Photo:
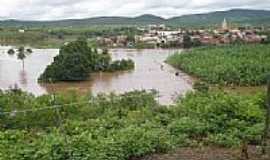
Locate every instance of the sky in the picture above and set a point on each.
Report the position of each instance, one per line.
(75, 9)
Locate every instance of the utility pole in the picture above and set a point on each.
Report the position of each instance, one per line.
(54, 102)
(266, 136)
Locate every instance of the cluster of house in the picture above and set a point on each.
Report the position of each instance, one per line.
(159, 35)
(115, 41)
(224, 35)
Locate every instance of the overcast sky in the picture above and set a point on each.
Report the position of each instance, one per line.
(66, 9)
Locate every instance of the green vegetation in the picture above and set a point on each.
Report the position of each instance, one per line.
(38, 38)
(243, 65)
(267, 33)
(188, 42)
(77, 60)
(141, 45)
(121, 65)
(55, 37)
(122, 127)
(74, 62)
(239, 17)
(11, 52)
(22, 53)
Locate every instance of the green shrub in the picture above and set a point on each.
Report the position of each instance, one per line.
(216, 114)
(74, 62)
(120, 65)
(201, 86)
(193, 127)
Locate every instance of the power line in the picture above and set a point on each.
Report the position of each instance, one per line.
(57, 106)
(43, 108)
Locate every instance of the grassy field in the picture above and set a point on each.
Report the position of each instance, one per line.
(234, 65)
(56, 37)
(33, 38)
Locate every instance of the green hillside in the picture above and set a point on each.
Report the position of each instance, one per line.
(141, 20)
(236, 16)
(239, 16)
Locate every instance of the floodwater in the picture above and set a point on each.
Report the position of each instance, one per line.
(150, 73)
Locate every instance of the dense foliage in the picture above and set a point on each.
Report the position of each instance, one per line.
(109, 127)
(228, 65)
(77, 60)
(74, 62)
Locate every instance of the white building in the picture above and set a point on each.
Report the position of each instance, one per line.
(21, 30)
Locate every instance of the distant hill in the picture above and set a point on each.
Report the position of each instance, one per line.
(239, 16)
(140, 20)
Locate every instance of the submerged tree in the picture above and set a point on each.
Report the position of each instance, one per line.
(22, 53)
(77, 60)
(74, 62)
(187, 43)
(11, 52)
(105, 51)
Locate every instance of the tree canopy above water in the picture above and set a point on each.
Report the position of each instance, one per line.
(76, 61)
(21, 53)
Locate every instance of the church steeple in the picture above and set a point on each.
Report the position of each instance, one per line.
(225, 24)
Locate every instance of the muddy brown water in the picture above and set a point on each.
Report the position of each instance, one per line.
(150, 73)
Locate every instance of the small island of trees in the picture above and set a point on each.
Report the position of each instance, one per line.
(77, 60)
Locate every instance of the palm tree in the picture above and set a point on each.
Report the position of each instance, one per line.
(22, 53)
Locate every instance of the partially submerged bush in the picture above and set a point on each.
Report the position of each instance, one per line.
(74, 62)
(120, 65)
(11, 51)
(77, 60)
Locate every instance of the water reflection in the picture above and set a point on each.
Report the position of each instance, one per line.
(23, 78)
(150, 73)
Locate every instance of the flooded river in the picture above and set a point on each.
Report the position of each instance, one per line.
(150, 73)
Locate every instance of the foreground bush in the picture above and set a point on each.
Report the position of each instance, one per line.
(220, 118)
(109, 127)
(229, 65)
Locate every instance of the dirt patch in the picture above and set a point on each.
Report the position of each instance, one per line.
(206, 153)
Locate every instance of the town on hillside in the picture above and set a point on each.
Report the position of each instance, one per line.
(165, 37)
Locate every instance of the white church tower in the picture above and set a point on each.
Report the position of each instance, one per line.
(225, 25)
